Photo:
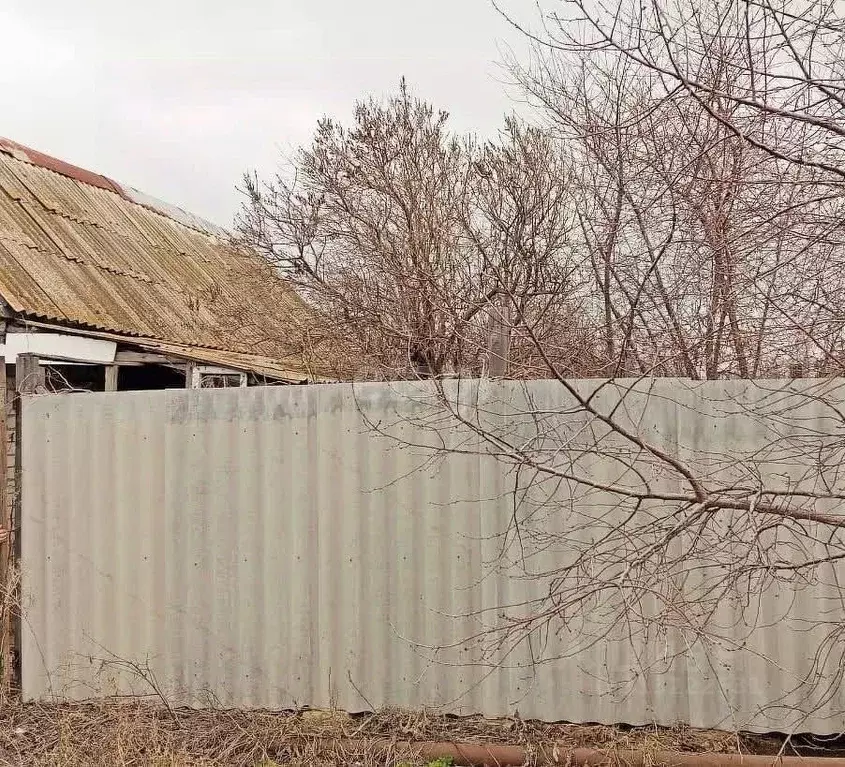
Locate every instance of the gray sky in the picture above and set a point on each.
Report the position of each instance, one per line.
(179, 97)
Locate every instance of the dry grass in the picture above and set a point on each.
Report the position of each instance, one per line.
(119, 733)
(10, 580)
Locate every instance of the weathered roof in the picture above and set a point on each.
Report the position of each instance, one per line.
(81, 250)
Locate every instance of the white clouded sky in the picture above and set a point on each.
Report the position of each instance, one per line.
(179, 97)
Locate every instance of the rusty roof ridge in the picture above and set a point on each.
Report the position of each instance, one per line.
(132, 195)
(54, 164)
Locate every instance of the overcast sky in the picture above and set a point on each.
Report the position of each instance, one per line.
(179, 97)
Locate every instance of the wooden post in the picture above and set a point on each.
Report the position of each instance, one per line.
(29, 375)
(111, 377)
(499, 339)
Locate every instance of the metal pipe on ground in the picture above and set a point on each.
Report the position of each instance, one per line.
(495, 755)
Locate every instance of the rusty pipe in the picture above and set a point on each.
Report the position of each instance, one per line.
(495, 755)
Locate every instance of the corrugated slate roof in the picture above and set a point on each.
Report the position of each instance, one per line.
(82, 250)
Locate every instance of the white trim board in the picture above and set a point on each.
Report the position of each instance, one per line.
(52, 347)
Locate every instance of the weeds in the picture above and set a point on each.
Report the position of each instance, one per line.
(139, 733)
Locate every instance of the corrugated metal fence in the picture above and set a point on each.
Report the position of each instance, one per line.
(265, 547)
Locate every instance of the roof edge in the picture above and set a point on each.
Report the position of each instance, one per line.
(240, 361)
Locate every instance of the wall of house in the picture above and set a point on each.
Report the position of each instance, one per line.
(9, 592)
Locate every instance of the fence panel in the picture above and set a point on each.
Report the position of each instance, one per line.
(284, 546)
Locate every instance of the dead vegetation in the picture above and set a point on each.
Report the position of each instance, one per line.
(117, 733)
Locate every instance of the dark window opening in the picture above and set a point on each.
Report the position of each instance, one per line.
(69, 378)
(147, 377)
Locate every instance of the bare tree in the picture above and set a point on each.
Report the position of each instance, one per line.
(770, 71)
(368, 224)
(711, 249)
(412, 243)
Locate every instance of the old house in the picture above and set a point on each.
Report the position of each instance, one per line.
(115, 290)
(105, 288)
